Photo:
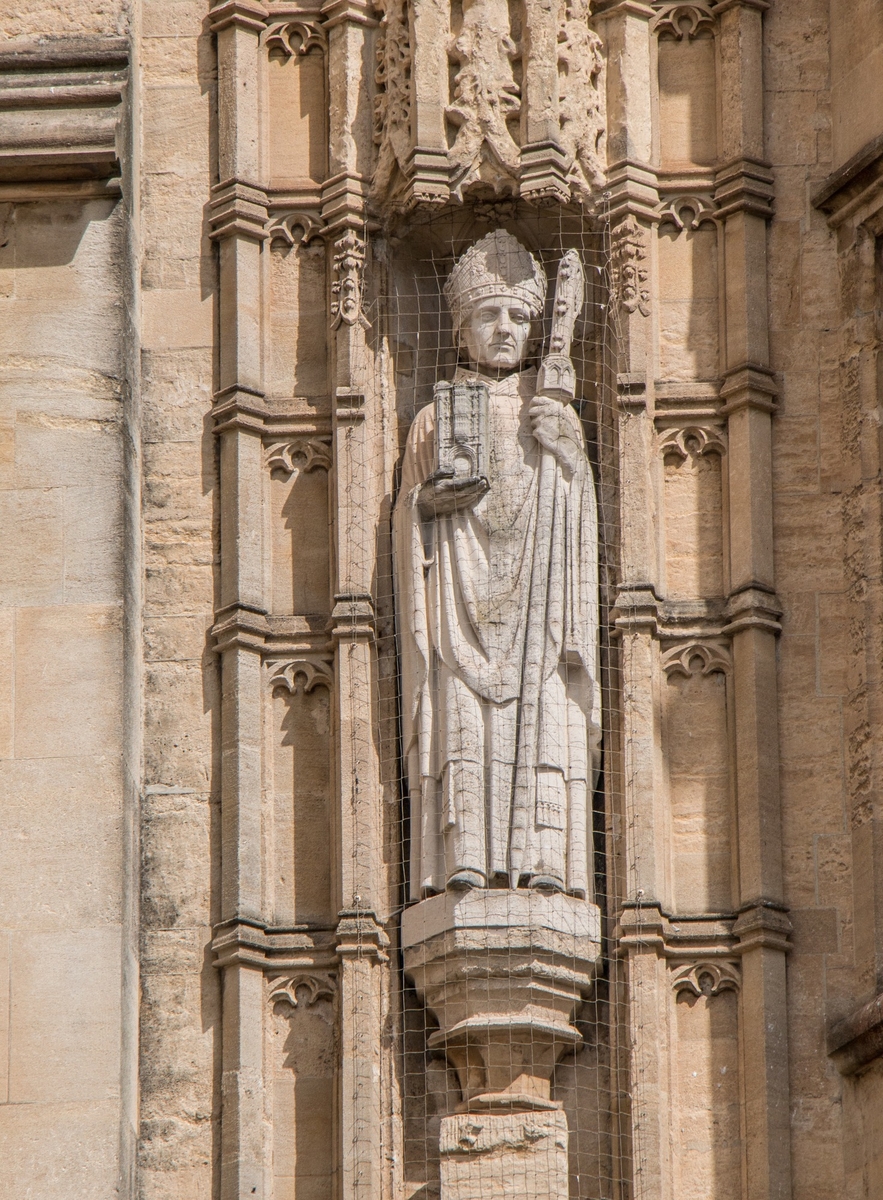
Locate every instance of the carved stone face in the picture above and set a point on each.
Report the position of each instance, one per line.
(496, 333)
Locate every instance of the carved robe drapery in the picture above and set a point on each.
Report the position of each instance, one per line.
(466, 596)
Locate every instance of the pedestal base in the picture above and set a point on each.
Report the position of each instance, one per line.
(516, 1156)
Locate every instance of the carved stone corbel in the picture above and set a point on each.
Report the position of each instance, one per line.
(629, 274)
(346, 290)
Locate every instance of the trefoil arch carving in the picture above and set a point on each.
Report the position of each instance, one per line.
(683, 20)
(302, 674)
(692, 441)
(708, 977)
(303, 990)
(702, 657)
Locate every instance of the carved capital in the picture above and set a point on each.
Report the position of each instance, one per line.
(300, 455)
(695, 657)
(302, 674)
(303, 989)
(360, 935)
(683, 20)
(241, 14)
(708, 977)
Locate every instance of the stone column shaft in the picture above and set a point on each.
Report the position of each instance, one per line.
(743, 192)
(238, 217)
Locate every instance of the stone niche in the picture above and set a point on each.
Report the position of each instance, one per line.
(504, 972)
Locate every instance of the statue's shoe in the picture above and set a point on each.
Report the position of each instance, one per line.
(545, 883)
(461, 881)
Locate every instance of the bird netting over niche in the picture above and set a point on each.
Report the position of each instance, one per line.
(495, 347)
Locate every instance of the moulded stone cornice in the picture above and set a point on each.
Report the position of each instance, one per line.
(344, 198)
(749, 385)
(854, 192)
(238, 208)
(361, 935)
(637, 608)
(753, 606)
(684, 939)
(55, 189)
(690, 181)
(763, 924)
(61, 101)
(349, 405)
(240, 627)
(632, 189)
(857, 1040)
(244, 14)
(678, 403)
(744, 186)
(353, 617)
(631, 391)
(723, 6)
(286, 639)
(634, 8)
(238, 407)
(271, 948)
(357, 12)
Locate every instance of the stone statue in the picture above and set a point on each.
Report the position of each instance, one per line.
(496, 570)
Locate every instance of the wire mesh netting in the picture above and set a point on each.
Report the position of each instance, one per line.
(498, 727)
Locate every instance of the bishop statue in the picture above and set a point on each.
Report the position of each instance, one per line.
(497, 594)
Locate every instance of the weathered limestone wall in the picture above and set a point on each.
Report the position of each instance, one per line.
(65, 1074)
(855, 38)
(814, 578)
(180, 1006)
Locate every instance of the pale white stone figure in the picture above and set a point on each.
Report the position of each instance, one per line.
(497, 581)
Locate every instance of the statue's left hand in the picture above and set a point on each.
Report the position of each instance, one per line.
(557, 427)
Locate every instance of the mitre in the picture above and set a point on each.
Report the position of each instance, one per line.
(497, 265)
